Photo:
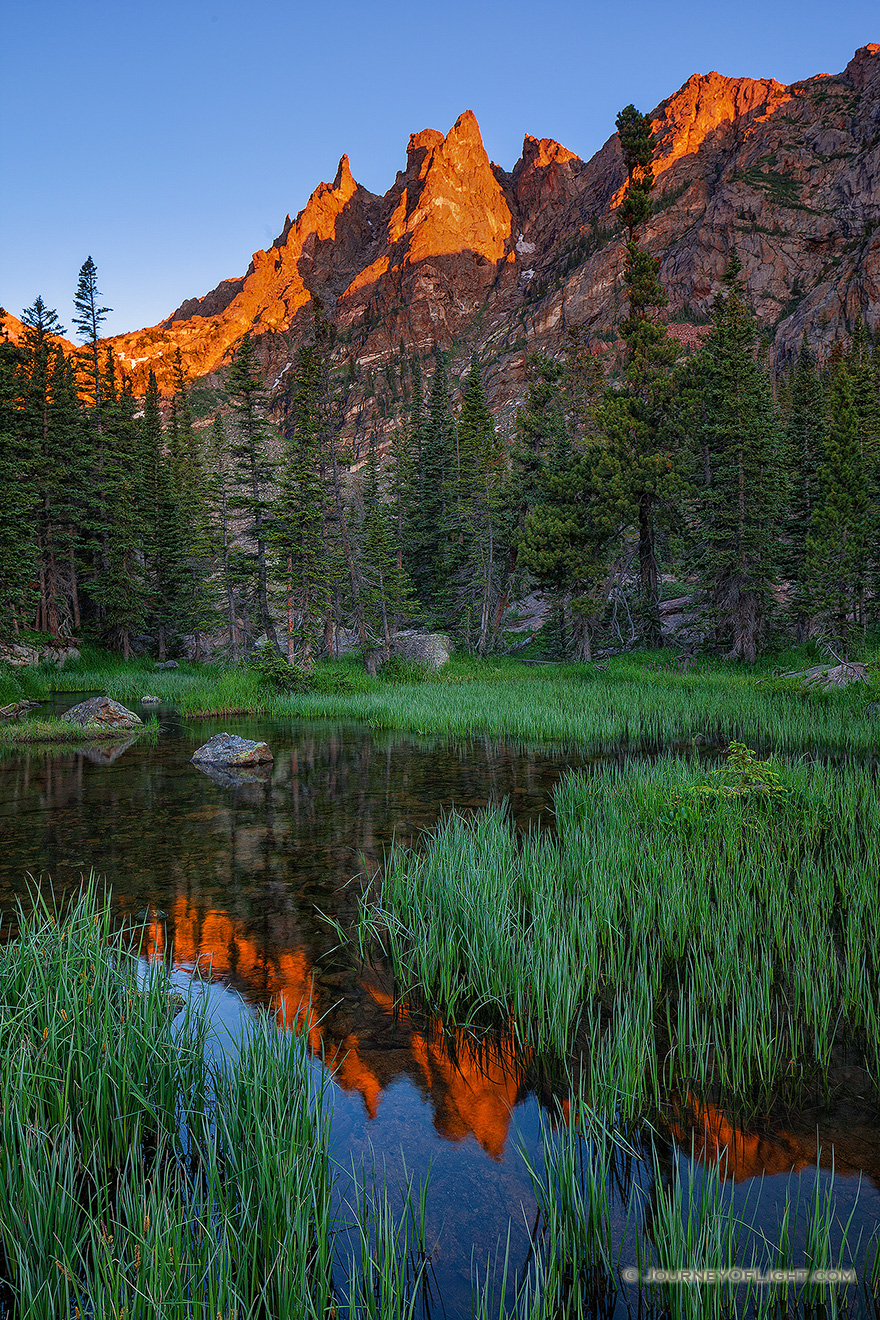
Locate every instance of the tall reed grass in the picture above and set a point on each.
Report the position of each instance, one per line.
(638, 699)
(683, 931)
(139, 1178)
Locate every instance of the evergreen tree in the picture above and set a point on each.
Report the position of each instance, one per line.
(48, 448)
(119, 587)
(540, 431)
(87, 320)
(481, 459)
(165, 534)
(254, 474)
(837, 545)
(738, 507)
(805, 434)
(299, 530)
(567, 534)
(863, 364)
(192, 491)
(220, 486)
(431, 555)
(386, 589)
(19, 556)
(406, 456)
(640, 471)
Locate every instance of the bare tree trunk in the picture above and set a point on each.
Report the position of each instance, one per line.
(354, 582)
(74, 592)
(648, 575)
(290, 609)
(503, 597)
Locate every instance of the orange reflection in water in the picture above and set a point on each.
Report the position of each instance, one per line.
(471, 1094)
(701, 1127)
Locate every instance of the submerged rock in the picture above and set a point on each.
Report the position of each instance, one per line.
(149, 700)
(106, 752)
(240, 776)
(229, 749)
(102, 713)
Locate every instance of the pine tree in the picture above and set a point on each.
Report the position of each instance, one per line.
(386, 589)
(540, 431)
(19, 554)
(88, 320)
(220, 488)
(641, 474)
(430, 558)
(254, 474)
(863, 363)
(838, 541)
(481, 460)
(737, 508)
(406, 457)
(119, 587)
(566, 538)
(805, 435)
(165, 534)
(299, 529)
(191, 484)
(48, 456)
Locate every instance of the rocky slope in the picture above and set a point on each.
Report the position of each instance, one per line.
(460, 253)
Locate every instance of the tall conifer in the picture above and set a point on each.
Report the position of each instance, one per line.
(255, 471)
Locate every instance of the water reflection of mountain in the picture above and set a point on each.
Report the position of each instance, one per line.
(847, 1143)
(353, 1025)
(243, 871)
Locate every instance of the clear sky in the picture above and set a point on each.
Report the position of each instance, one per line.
(168, 138)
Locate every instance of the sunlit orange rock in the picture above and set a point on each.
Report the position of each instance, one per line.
(459, 251)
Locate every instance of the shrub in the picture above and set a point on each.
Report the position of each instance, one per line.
(276, 673)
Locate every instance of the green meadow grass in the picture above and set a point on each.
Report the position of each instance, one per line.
(23, 731)
(636, 700)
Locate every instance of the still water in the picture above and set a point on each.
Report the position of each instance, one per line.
(233, 874)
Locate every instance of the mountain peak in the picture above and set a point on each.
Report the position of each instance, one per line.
(864, 67)
(344, 181)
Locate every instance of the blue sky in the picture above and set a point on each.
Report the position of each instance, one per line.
(169, 140)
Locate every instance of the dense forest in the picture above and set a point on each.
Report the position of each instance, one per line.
(643, 472)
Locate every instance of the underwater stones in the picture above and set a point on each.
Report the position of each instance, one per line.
(229, 749)
(102, 713)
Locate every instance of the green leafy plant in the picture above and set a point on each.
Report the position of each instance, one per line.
(742, 775)
(274, 670)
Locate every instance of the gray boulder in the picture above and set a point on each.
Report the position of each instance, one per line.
(229, 749)
(167, 664)
(425, 648)
(149, 700)
(102, 714)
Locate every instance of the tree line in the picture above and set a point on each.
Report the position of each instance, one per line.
(755, 491)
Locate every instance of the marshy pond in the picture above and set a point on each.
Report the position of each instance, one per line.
(250, 882)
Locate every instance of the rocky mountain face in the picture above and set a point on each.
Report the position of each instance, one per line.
(462, 254)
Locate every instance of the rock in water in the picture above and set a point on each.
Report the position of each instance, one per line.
(149, 700)
(102, 713)
(229, 749)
